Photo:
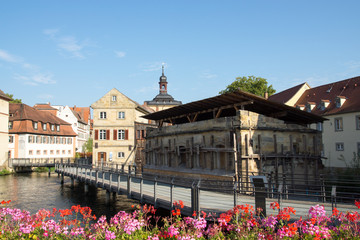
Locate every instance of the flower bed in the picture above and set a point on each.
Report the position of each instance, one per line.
(241, 222)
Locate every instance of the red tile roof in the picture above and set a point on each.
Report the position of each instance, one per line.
(4, 96)
(348, 88)
(83, 113)
(23, 117)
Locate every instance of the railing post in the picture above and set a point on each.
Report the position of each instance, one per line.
(118, 182)
(96, 177)
(323, 189)
(110, 177)
(195, 200)
(235, 194)
(103, 178)
(155, 192)
(129, 185)
(172, 194)
(279, 194)
(141, 190)
(333, 197)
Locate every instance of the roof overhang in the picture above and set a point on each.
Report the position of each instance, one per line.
(228, 104)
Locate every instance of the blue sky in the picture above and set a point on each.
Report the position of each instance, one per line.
(73, 52)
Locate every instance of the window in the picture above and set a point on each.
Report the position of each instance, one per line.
(338, 124)
(357, 122)
(319, 126)
(58, 128)
(10, 125)
(102, 134)
(69, 151)
(121, 134)
(339, 146)
(63, 151)
(11, 139)
(35, 125)
(121, 154)
(44, 126)
(45, 152)
(30, 139)
(57, 152)
(113, 98)
(37, 152)
(121, 115)
(102, 115)
(52, 152)
(30, 152)
(52, 127)
(38, 139)
(52, 140)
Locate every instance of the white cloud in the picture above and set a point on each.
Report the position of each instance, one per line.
(45, 96)
(36, 79)
(68, 45)
(154, 66)
(120, 54)
(208, 75)
(7, 57)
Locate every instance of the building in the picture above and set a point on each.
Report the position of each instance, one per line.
(118, 129)
(78, 117)
(163, 100)
(39, 134)
(234, 135)
(339, 102)
(4, 128)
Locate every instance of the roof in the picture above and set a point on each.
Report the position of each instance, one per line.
(4, 96)
(163, 99)
(44, 106)
(227, 104)
(84, 112)
(286, 95)
(20, 112)
(348, 88)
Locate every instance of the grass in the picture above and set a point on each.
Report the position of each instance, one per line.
(43, 169)
(5, 172)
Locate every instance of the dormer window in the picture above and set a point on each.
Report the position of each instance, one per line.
(44, 126)
(35, 125)
(310, 106)
(339, 101)
(58, 128)
(301, 107)
(52, 127)
(324, 104)
(10, 125)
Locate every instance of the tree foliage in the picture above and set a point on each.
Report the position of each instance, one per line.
(13, 100)
(255, 85)
(88, 146)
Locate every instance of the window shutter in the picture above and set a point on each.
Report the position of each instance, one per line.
(115, 134)
(107, 134)
(96, 134)
(126, 134)
(99, 156)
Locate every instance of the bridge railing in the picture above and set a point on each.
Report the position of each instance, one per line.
(36, 162)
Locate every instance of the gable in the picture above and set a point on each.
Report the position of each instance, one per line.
(107, 101)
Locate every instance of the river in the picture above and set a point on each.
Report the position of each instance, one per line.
(34, 191)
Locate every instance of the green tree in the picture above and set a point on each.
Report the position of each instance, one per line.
(255, 85)
(12, 98)
(88, 146)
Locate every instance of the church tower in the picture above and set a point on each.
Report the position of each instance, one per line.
(163, 100)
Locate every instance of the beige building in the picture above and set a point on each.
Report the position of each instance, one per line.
(234, 135)
(117, 127)
(339, 102)
(163, 100)
(4, 128)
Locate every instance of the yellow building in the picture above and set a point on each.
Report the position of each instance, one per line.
(4, 128)
(339, 103)
(117, 128)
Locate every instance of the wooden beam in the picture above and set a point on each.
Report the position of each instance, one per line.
(195, 117)
(218, 113)
(188, 117)
(278, 114)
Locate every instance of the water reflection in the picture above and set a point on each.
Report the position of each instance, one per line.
(34, 191)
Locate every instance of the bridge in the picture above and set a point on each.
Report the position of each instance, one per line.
(197, 195)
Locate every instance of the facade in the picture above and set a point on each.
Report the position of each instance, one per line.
(4, 128)
(39, 134)
(163, 100)
(78, 117)
(233, 135)
(117, 129)
(339, 103)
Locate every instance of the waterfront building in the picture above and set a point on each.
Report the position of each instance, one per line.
(78, 117)
(339, 102)
(37, 134)
(4, 128)
(118, 129)
(234, 135)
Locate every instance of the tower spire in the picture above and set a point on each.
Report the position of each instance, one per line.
(163, 82)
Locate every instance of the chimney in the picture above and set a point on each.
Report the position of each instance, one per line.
(266, 95)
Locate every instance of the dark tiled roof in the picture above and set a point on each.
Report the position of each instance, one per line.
(23, 115)
(349, 88)
(286, 95)
(4, 96)
(226, 104)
